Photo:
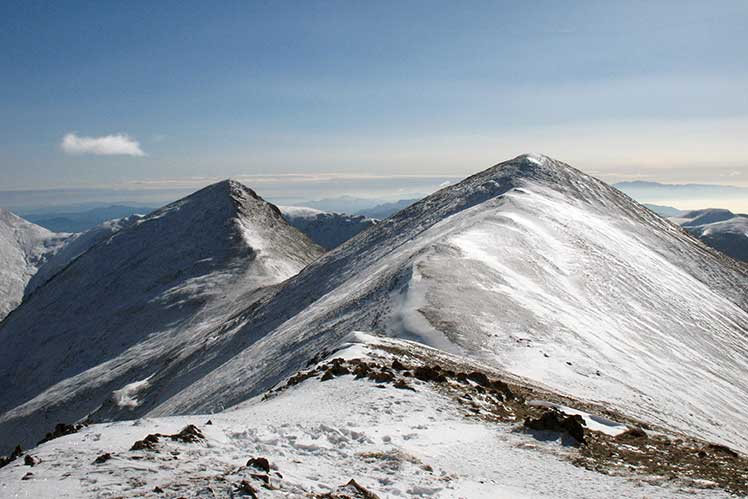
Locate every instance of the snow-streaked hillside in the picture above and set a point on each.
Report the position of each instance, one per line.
(389, 421)
(328, 229)
(75, 246)
(151, 293)
(23, 249)
(530, 266)
(720, 229)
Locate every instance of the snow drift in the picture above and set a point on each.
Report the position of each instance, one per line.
(531, 267)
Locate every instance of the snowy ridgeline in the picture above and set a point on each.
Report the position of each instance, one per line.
(24, 247)
(530, 267)
(369, 422)
(327, 229)
(720, 229)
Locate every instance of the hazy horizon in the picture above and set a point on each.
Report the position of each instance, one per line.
(148, 96)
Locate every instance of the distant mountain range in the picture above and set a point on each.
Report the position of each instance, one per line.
(83, 220)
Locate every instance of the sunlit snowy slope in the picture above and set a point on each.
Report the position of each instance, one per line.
(23, 249)
(378, 419)
(151, 293)
(530, 266)
(74, 246)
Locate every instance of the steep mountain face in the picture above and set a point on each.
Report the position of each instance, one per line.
(75, 246)
(719, 228)
(531, 267)
(23, 249)
(328, 229)
(137, 301)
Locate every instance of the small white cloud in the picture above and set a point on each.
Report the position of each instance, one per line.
(107, 145)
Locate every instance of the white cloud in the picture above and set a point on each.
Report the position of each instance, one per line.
(107, 145)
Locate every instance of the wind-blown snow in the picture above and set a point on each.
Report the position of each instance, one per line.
(318, 436)
(144, 296)
(75, 246)
(24, 247)
(535, 268)
(530, 266)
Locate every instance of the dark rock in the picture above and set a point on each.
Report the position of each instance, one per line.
(381, 376)
(28, 476)
(4, 461)
(61, 429)
(30, 460)
(632, 434)
(461, 377)
(263, 478)
(148, 443)
(553, 420)
(247, 488)
(427, 373)
(397, 366)
(190, 434)
(503, 388)
(259, 463)
(479, 378)
(209, 422)
(103, 458)
(722, 449)
(359, 492)
(335, 369)
(301, 376)
(158, 490)
(402, 385)
(361, 370)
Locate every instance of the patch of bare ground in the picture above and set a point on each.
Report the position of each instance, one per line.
(656, 455)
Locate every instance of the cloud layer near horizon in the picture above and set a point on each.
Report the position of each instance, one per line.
(106, 145)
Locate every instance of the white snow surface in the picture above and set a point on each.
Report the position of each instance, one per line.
(318, 436)
(143, 296)
(531, 267)
(75, 245)
(534, 268)
(24, 247)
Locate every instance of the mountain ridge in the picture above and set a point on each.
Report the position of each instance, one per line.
(157, 281)
(395, 288)
(530, 266)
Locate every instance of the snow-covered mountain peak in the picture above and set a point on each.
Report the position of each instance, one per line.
(140, 298)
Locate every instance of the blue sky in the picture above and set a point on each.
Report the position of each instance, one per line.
(654, 90)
